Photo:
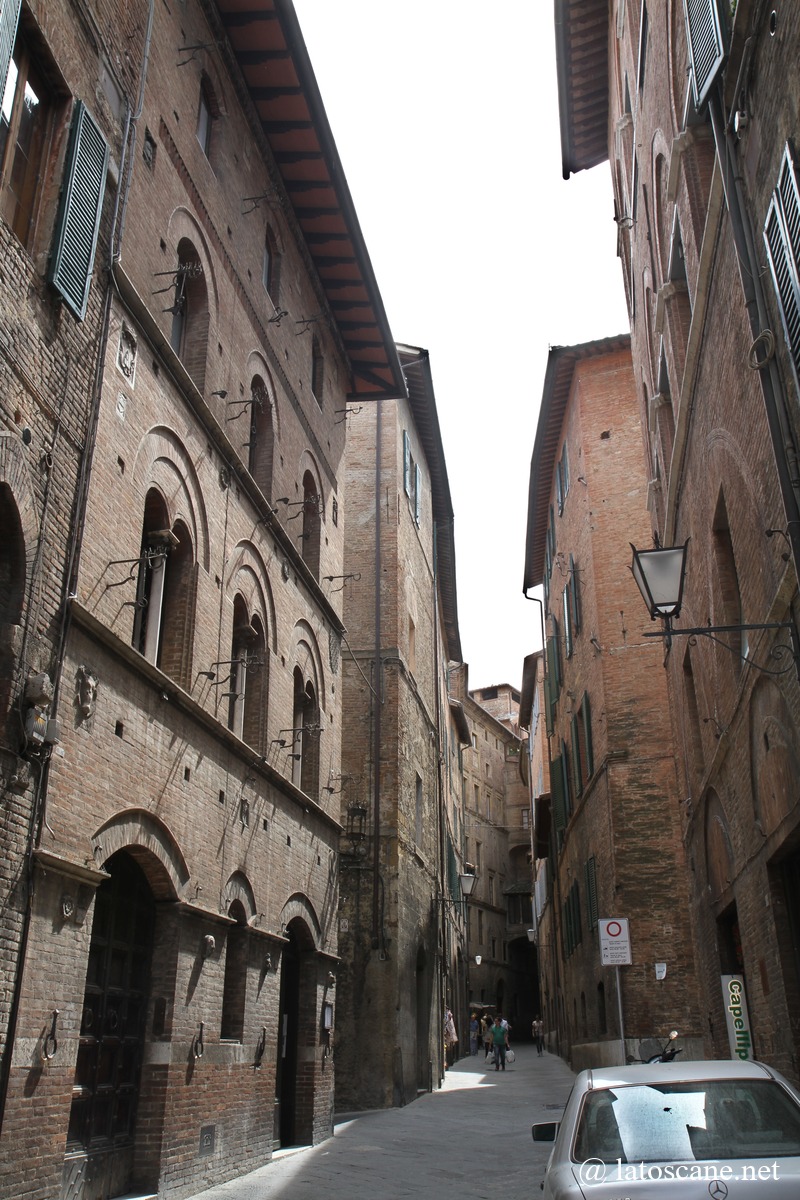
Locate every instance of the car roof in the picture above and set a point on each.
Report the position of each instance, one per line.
(646, 1074)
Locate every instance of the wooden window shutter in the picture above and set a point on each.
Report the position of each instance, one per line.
(590, 871)
(587, 734)
(556, 659)
(557, 793)
(565, 777)
(577, 774)
(548, 706)
(782, 238)
(9, 19)
(706, 49)
(574, 595)
(417, 493)
(80, 207)
(567, 621)
(406, 463)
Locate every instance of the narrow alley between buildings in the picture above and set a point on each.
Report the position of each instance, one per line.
(470, 1140)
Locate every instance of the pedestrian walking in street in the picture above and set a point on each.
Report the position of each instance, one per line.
(499, 1043)
(486, 1028)
(474, 1030)
(537, 1029)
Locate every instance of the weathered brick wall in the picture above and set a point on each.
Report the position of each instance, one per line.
(47, 367)
(736, 743)
(627, 816)
(388, 973)
(154, 767)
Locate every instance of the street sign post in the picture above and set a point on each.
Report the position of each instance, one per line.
(615, 942)
(615, 951)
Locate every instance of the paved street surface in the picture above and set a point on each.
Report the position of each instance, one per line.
(471, 1140)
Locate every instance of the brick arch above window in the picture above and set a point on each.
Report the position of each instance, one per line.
(163, 461)
(151, 843)
(299, 911)
(191, 318)
(248, 577)
(239, 889)
(305, 654)
(257, 367)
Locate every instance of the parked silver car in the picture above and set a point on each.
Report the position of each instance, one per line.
(676, 1131)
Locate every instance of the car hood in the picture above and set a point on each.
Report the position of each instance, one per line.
(775, 1179)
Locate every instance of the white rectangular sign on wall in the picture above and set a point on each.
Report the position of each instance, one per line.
(615, 942)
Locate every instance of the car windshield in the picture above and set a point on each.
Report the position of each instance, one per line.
(732, 1118)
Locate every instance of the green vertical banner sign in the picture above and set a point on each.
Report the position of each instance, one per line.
(737, 1017)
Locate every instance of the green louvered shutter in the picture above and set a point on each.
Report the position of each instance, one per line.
(557, 794)
(782, 238)
(417, 493)
(548, 706)
(587, 734)
(406, 463)
(9, 18)
(575, 745)
(591, 892)
(706, 49)
(79, 212)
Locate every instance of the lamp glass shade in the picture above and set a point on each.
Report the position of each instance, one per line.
(467, 884)
(659, 576)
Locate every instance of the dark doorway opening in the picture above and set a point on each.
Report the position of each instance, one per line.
(105, 1092)
(287, 1043)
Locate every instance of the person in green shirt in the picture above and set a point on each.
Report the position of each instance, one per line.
(499, 1043)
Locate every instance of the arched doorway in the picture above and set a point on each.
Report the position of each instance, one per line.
(100, 1143)
(422, 998)
(286, 1085)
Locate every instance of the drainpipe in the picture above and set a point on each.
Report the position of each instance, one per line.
(378, 697)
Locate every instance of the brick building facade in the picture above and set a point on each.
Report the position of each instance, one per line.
(173, 486)
(702, 151)
(614, 825)
(401, 927)
(497, 831)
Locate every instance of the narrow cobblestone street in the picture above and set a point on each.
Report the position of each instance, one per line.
(470, 1140)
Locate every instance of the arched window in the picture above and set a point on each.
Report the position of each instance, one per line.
(207, 113)
(730, 595)
(12, 590)
(165, 598)
(12, 559)
(312, 511)
(317, 370)
(248, 677)
(234, 988)
(190, 313)
(306, 721)
(262, 436)
(271, 273)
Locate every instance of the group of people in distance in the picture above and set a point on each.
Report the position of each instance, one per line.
(493, 1033)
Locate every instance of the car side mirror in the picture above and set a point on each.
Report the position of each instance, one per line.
(545, 1131)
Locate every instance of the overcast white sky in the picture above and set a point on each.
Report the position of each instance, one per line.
(445, 115)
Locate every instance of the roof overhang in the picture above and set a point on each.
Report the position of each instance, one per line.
(272, 58)
(419, 384)
(562, 362)
(530, 672)
(582, 36)
(460, 721)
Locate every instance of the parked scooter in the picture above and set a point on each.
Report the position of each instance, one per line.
(664, 1054)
